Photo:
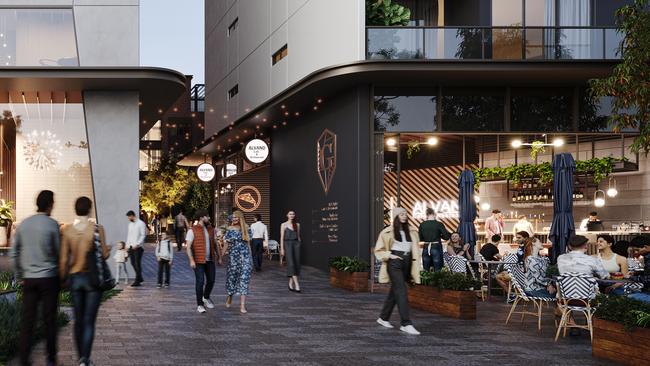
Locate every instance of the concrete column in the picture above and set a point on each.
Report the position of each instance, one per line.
(112, 122)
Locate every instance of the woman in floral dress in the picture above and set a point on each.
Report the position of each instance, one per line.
(240, 265)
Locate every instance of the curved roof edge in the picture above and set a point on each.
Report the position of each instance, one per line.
(422, 73)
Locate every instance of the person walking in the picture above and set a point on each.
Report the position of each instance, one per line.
(78, 241)
(259, 241)
(290, 249)
(165, 258)
(398, 250)
(137, 233)
(240, 264)
(180, 226)
(35, 254)
(202, 251)
(120, 258)
(432, 232)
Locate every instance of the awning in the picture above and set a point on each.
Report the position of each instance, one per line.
(159, 88)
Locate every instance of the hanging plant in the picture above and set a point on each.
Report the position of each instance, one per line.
(412, 149)
(598, 168)
(537, 147)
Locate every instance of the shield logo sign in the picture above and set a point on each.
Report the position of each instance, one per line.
(326, 158)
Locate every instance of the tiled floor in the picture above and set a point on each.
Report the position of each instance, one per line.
(321, 326)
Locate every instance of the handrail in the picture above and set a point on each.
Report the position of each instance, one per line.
(554, 42)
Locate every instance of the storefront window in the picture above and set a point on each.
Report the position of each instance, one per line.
(50, 151)
(37, 37)
(470, 111)
(405, 113)
(541, 110)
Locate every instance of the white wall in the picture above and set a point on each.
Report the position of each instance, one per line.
(319, 33)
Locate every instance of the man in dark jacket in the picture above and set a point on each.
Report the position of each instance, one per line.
(432, 232)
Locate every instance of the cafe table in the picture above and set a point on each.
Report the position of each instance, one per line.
(489, 266)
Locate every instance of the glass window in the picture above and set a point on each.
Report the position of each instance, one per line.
(540, 13)
(613, 40)
(541, 110)
(506, 13)
(467, 13)
(455, 43)
(37, 37)
(595, 113)
(507, 44)
(393, 43)
(574, 13)
(580, 44)
(472, 110)
(540, 43)
(405, 113)
(605, 11)
(51, 150)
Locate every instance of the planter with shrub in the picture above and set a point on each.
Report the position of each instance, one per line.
(349, 273)
(622, 330)
(445, 293)
(8, 286)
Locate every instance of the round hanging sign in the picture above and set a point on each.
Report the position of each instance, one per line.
(205, 172)
(256, 151)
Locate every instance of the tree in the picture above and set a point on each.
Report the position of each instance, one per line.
(165, 186)
(386, 13)
(198, 197)
(629, 84)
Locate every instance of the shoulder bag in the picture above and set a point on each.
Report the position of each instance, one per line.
(99, 274)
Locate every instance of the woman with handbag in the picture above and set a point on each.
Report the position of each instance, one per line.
(83, 251)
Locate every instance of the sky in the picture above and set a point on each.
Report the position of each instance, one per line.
(171, 36)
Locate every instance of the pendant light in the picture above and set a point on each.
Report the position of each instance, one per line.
(599, 198)
(612, 191)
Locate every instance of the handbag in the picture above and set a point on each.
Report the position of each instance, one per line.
(100, 275)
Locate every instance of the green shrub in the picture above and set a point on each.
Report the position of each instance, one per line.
(10, 312)
(348, 264)
(621, 309)
(445, 280)
(7, 281)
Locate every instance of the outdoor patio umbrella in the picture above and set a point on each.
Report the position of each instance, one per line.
(562, 226)
(467, 208)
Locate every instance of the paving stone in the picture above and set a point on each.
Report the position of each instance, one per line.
(319, 327)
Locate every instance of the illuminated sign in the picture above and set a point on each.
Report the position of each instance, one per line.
(326, 158)
(256, 151)
(248, 198)
(229, 170)
(205, 172)
(443, 208)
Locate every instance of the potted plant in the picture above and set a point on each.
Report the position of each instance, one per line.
(8, 286)
(349, 273)
(622, 330)
(445, 293)
(6, 219)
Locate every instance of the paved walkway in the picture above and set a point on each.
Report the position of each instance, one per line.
(321, 326)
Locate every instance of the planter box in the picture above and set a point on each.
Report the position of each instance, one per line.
(356, 281)
(613, 342)
(455, 304)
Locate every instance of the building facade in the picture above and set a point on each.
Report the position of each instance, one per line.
(363, 118)
(75, 104)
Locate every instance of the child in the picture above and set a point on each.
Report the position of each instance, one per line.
(120, 261)
(164, 256)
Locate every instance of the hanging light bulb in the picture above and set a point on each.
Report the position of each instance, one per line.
(391, 142)
(477, 198)
(485, 206)
(612, 191)
(432, 141)
(599, 199)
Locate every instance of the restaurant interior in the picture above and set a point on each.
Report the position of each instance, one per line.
(515, 176)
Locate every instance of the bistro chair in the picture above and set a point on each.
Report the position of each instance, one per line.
(511, 260)
(575, 292)
(518, 283)
(274, 249)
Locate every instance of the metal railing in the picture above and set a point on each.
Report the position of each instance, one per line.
(492, 43)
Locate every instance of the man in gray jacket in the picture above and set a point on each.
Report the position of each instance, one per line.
(35, 254)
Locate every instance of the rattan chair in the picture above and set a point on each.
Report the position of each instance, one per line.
(518, 283)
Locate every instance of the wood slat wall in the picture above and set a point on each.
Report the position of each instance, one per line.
(260, 179)
(428, 184)
(8, 178)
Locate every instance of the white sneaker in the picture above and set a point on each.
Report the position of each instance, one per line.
(200, 309)
(208, 303)
(409, 329)
(384, 323)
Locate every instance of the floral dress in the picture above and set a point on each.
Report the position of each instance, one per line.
(240, 265)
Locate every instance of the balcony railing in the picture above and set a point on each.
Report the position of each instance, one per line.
(492, 43)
